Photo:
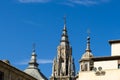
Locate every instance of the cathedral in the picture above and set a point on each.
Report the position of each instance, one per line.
(63, 67)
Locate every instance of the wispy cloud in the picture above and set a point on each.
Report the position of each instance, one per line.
(83, 2)
(30, 22)
(105, 0)
(87, 2)
(23, 62)
(34, 1)
(44, 61)
(68, 2)
(39, 61)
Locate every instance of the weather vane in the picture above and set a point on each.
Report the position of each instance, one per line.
(34, 46)
(88, 32)
(64, 19)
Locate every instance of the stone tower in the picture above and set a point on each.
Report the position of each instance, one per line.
(63, 65)
(86, 64)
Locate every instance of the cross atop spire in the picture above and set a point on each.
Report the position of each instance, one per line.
(64, 38)
(33, 47)
(88, 41)
(64, 21)
(88, 32)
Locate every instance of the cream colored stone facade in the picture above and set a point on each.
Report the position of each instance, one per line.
(112, 64)
(111, 74)
(8, 72)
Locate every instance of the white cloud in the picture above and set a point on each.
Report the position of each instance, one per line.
(105, 0)
(44, 61)
(68, 2)
(29, 22)
(34, 1)
(39, 61)
(88, 2)
(23, 62)
(84, 2)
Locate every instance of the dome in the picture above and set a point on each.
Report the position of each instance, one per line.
(36, 73)
(87, 55)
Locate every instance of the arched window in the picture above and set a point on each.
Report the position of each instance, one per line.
(118, 66)
(82, 68)
(85, 67)
(1, 75)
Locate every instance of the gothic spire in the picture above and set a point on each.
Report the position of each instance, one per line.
(64, 38)
(63, 68)
(33, 62)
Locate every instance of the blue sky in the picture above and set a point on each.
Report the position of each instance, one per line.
(24, 22)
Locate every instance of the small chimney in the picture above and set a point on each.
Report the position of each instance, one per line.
(6, 61)
(115, 47)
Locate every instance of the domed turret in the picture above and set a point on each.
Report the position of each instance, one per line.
(33, 69)
(86, 64)
(88, 54)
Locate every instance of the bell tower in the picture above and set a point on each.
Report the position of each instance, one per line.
(63, 65)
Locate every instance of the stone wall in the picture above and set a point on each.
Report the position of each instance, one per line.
(111, 74)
